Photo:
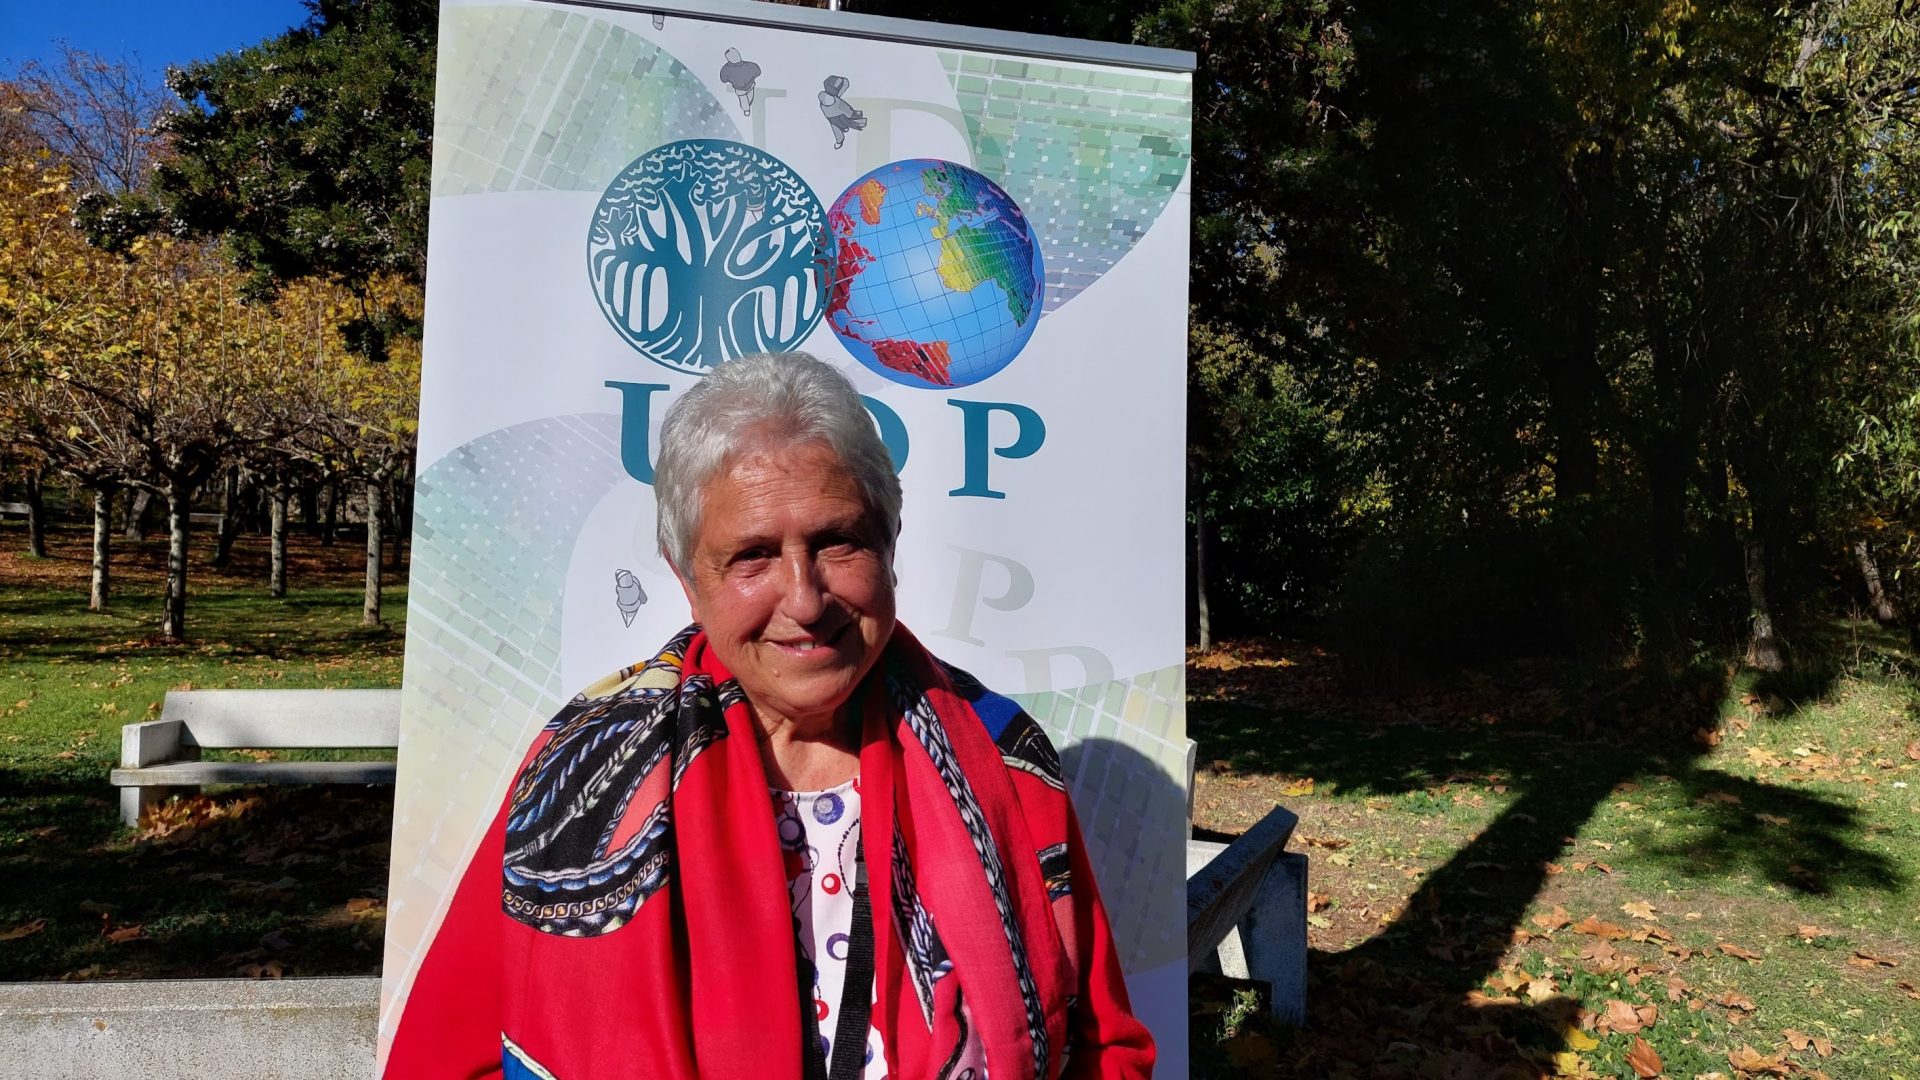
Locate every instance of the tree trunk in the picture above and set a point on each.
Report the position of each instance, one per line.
(1763, 646)
(137, 516)
(36, 517)
(370, 612)
(333, 514)
(1877, 599)
(1200, 577)
(102, 538)
(229, 518)
(173, 619)
(277, 575)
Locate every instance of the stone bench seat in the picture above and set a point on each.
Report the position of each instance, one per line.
(198, 773)
(160, 758)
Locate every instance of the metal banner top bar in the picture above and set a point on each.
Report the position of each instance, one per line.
(910, 31)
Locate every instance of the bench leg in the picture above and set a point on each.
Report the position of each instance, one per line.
(1273, 938)
(136, 801)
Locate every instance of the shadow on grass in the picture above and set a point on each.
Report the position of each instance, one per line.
(245, 878)
(1561, 750)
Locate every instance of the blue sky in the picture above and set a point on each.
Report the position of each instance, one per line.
(153, 33)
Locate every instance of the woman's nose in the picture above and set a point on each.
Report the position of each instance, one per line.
(803, 595)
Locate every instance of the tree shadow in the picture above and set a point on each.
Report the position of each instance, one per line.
(263, 877)
(1562, 750)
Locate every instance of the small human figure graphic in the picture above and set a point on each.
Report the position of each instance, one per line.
(739, 76)
(841, 116)
(628, 595)
(659, 21)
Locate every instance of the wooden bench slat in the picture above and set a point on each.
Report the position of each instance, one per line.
(192, 773)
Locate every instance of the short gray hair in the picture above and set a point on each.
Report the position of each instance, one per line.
(790, 398)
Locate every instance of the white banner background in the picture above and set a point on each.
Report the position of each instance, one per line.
(1067, 593)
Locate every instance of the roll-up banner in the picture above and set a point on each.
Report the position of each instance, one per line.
(986, 232)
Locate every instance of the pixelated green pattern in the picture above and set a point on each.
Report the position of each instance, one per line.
(547, 99)
(1091, 155)
(1123, 745)
(495, 526)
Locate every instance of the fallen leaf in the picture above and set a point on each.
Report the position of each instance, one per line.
(1298, 788)
(1797, 1039)
(1808, 931)
(1580, 1040)
(1862, 958)
(1913, 748)
(1735, 1000)
(1551, 920)
(1602, 958)
(1318, 902)
(1645, 1062)
(1676, 988)
(1639, 909)
(1319, 922)
(1909, 989)
(366, 906)
(1622, 1018)
(1735, 950)
(1331, 843)
(126, 934)
(1596, 928)
(1747, 1059)
(1540, 990)
(26, 929)
(1773, 819)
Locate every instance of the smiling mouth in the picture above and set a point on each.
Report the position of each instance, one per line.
(813, 644)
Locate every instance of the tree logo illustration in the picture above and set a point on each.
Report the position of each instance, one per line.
(703, 250)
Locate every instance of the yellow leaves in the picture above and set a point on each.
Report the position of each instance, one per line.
(1639, 909)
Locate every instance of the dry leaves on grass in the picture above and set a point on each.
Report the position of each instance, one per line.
(1624, 1018)
(1747, 1059)
(1737, 951)
(1594, 927)
(25, 929)
(1800, 1040)
(1639, 909)
(126, 934)
(1864, 959)
(1734, 1000)
(1549, 921)
(1645, 1061)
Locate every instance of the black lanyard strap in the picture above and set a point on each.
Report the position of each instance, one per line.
(856, 995)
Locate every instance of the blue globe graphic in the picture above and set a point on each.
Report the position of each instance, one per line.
(703, 250)
(936, 274)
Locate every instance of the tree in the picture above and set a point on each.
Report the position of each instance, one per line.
(307, 155)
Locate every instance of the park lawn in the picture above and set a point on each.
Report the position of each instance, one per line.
(1534, 874)
(280, 881)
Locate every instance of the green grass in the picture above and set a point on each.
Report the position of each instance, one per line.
(1443, 822)
(242, 881)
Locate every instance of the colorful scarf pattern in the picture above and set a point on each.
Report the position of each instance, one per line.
(627, 915)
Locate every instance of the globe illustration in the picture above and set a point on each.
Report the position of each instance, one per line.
(936, 276)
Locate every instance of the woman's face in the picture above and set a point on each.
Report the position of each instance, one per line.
(792, 580)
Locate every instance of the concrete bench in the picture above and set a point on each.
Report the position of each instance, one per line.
(1247, 912)
(15, 510)
(161, 758)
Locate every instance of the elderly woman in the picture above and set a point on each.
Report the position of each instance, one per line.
(793, 843)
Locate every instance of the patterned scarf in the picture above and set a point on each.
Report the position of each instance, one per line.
(627, 914)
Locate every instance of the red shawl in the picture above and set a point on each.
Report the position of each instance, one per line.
(627, 915)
